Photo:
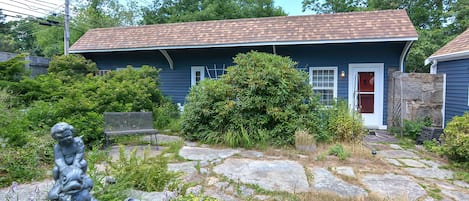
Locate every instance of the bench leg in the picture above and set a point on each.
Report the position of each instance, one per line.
(156, 141)
(107, 142)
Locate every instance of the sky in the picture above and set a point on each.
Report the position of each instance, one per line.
(291, 7)
(39, 8)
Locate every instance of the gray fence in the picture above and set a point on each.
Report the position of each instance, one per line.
(37, 65)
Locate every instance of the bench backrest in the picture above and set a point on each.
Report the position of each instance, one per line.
(125, 121)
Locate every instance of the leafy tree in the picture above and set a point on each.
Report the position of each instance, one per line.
(71, 65)
(169, 11)
(424, 14)
(22, 32)
(7, 43)
(460, 16)
(437, 21)
(334, 6)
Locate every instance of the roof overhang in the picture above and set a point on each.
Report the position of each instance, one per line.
(448, 57)
(247, 44)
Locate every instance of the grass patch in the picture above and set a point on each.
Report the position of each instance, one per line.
(172, 150)
(406, 143)
(329, 196)
(145, 174)
(462, 175)
(339, 151)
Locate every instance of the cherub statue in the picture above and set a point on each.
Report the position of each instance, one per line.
(71, 181)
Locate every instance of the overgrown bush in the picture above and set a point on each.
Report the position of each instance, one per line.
(339, 151)
(145, 174)
(13, 125)
(13, 70)
(71, 65)
(345, 125)
(27, 162)
(81, 101)
(412, 128)
(261, 92)
(456, 139)
(166, 115)
(24, 154)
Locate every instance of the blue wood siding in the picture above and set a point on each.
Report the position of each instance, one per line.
(176, 82)
(457, 83)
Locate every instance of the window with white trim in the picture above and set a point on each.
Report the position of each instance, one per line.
(324, 82)
(197, 74)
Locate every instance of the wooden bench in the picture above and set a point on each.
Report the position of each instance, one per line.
(128, 123)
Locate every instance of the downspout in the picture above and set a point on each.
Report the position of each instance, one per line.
(443, 109)
(274, 49)
(434, 67)
(404, 53)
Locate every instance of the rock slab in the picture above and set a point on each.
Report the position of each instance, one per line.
(205, 154)
(393, 186)
(276, 175)
(434, 173)
(345, 170)
(27, 192)
(413, 163)
(393, 161)
(325, 181)
(188, 168)
(397, 154)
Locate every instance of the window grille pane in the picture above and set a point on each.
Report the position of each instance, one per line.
(323, 84)
(326, 96)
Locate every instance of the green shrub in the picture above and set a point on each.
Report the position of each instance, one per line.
(27, 162)
(412, 128)
(81, 101)
(71, 65)
(191, 197)
(165, 114)
(13, 70)
(261, 92)
(432, 145)
(339, 151)
(145, 174)
(456, 139)
(13, 125)
(345, 125)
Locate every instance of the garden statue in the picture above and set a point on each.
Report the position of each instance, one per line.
(71, 181)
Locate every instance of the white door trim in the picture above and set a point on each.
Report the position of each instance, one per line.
(194, 70)
(376, 119)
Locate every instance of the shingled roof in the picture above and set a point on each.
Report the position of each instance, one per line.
(457, 48)
(374, 26)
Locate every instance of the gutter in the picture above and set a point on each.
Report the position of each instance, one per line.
(246, 44)
(447, 57)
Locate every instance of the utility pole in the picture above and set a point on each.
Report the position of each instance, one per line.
(66, 30)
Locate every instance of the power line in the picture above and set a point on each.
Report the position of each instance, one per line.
(28, 9)
(46, 6)
(48, 3)
(20, 13)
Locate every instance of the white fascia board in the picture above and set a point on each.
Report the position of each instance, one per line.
(248, 44)
(448, 57)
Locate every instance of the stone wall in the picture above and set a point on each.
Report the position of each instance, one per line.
(415, 96)
(37, 65)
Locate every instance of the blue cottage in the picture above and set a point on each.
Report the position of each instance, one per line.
(347, 55)
(452, 60)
